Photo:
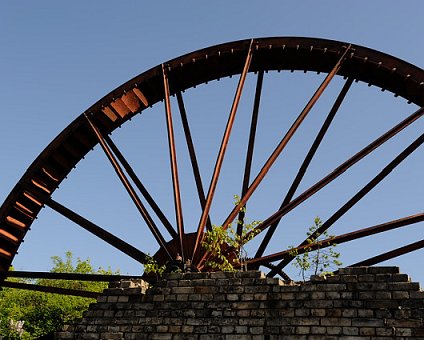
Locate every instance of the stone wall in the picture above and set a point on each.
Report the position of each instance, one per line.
(358, 303)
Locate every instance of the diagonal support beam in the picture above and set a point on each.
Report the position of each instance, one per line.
(285, 140)
(250, 147)
(409, 220)
(283, 275)
(193, 158)
(139, 205)
(174, 167)
(149, 199)
(358, 196)
(97, 231)
(280, 147)
(340, 170)
(69, 276)
(390, 254)
(48, 289)
(305, 164)
(222, 149)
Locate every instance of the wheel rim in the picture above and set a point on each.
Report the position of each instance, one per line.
(93, 127)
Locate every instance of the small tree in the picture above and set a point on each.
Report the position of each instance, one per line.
(152, 267)
(316, 259)
(217, 240)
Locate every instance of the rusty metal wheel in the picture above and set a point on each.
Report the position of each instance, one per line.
(283, 156)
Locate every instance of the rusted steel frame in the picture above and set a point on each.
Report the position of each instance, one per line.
(47, 289)
(250, 147)
(193, 158)
(114, 241)
(268, 265)
(305, 164)
(358, 196)
(260, 261)
(270, 161)
(384, 76)
(139, 205)
(390, 254)
(174, 166)
(340, 169)
(141, 187)
(285, 140)
(281, 272)
(68, 276)
(222, 149)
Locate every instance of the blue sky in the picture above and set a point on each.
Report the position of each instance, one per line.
(59, 58)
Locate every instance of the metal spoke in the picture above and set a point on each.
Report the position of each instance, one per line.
(305, 164)
(141, 187)
(174, 167)
(140, 207)
(285, 140)
(340, 169)
(250, 148)
(390, 254)
(258, 261)
(280, 272)
(270, 161)
(98, 231)
(222, 149)
(48, 289)
(193, 158)
(70, 276)
(358, 196)
(184, 248)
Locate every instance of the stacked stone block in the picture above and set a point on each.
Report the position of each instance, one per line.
(357, 303)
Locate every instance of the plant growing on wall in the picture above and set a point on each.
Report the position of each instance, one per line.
(152, 266)
(316, 258)
(218, 240)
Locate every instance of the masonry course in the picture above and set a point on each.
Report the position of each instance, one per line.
(357, 303)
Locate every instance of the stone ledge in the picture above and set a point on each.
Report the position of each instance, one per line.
(357, 303)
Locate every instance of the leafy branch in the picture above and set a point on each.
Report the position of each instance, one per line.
(316, 258)
(152, 266)
(218, 241)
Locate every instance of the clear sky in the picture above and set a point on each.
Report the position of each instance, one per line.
(58, 58)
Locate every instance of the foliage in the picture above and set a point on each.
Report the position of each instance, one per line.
(29, 314)
(152, 266)
(217, 240)
(316, 260)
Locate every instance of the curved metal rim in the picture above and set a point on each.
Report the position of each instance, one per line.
(277, 53)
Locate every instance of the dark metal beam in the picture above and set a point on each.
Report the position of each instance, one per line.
(47, 289)
(359, 195)
(305, 164)
(280, 272)
(139, 205)
(114, 241)
(280, 147)
(250, 147)
(68, 276)
(261, 261)
(174, 166)
(222, 149)
(285, 140)
(193, 158)
(390, 254)
(141, 187)
(340, 169)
